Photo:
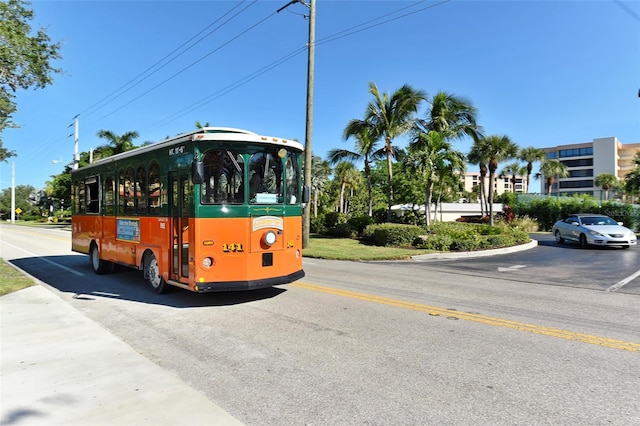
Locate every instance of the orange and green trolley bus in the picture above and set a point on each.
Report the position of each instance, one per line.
(216, 209)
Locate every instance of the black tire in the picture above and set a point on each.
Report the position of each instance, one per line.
(158, 283)
(559, 238)
(583, 241)
(99, 266)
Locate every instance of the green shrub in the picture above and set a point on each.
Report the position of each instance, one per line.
(359, 223)
(332, 219)
(502, 240)
(342, 230)
(440, 242)
(391, 234)
(525, 223)
(316, 225)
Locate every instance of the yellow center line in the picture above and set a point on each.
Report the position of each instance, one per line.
(41, 235)
(432, 310)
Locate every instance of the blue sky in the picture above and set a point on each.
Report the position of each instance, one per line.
(542, 72)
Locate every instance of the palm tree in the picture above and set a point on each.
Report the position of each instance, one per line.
(499, 148)
(606, 181)
(347, 175)
(513, 169)
(550, 169)
(117, 144)
(431, 155)
(479, 155)
(319, 178)
(530, 155)
(365, 149)
(451, 115)
(632, 183)
(391, 116)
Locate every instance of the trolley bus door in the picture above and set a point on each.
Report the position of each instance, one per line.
(179, 185)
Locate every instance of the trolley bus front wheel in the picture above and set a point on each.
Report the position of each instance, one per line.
(153, 274)
(99, 266)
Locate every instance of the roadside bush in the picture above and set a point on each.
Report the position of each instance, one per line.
(332, 219)
(391, 234)
(316, 225)
(342, 230)
(440, 242)
(525, 223)
(359, 223)
(468, 236)
(502, 240)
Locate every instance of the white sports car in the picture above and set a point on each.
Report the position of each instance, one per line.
(593, 229)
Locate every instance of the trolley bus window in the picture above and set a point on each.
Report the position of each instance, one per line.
(141, 190)
(92, 193)
(154, 188)
(293, 179)
(109, 196)
(265, 179)
(223, 178)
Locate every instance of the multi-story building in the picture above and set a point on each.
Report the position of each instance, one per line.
(501, 183)
(585, 161)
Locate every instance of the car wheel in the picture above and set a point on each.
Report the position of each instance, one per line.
(559, 238)
(155, 278)
(583, 241)
(99, 266)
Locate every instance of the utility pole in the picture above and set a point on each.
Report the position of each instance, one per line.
(13, 192)
(308, 152)
(76, 134)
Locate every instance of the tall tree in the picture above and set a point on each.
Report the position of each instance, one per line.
(550, 169)
(391, 116)
(117, 143)
(365, 150)
(499, 148)
(452, 116)
(431, 155)
(513, 169)
(606, 181)
(25, 60)
(319, 178)
(480, 156)
(530, 155)
(347, 176)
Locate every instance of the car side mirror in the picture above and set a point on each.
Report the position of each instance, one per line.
(197, 171)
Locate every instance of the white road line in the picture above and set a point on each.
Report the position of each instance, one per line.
(51, 262)
(624, 282)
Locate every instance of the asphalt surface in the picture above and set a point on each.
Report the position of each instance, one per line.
(58, 367)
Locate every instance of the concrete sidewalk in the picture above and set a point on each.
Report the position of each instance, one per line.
(58, 367)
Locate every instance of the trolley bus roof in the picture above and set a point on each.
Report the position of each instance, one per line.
(206, 134)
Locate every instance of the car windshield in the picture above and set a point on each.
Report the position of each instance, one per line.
(598, 220)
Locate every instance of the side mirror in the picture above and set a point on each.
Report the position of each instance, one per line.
(305, 194)
(197, 171)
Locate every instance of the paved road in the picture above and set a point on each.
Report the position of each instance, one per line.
(598, 268)
(377, 343)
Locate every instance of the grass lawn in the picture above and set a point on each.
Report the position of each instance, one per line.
(348, 249)
(11, 279)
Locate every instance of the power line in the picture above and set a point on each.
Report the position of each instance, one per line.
(150, 70)
(341, 34)
(191, 65)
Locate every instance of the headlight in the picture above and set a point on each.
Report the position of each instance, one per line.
(207, 262)
(269, 238)
(597, 234)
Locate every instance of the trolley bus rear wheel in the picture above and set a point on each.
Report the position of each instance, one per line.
(99, 266)
(155, 278)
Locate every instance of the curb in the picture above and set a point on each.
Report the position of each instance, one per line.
(472, 254)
